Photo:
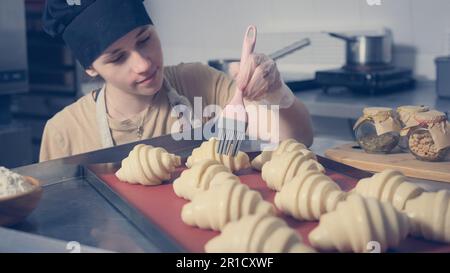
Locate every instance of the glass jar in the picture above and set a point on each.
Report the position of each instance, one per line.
(429, 139)
(406, 116)
(378, 130)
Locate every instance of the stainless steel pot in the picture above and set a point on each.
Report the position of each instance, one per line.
(367, 50)
(223, 64)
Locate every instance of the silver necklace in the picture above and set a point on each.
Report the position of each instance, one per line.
(140, 127)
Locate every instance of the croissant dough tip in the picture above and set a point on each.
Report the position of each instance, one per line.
(319, 238)
(301, 248)
(119, 174)
(277, 200)
(215, 245)
(177, 160)
(265, 208)
(256, 163)
(429, 214)
(187, 214)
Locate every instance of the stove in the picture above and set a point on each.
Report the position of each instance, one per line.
(366, 79)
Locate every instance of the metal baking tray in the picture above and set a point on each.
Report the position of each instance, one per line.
(156, 211)
(84, 202)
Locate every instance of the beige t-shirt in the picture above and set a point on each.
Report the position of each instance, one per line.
(74, 130)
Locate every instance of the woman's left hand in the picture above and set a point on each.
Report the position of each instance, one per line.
(258, 77)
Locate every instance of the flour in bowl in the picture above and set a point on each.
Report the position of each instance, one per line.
(12, 183)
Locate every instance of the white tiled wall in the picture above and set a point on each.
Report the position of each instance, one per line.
(198, 30)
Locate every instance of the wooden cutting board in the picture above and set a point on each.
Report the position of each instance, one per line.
(350, 154)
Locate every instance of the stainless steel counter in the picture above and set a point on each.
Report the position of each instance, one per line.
(75, 210)
(343, 103)
(72, 209)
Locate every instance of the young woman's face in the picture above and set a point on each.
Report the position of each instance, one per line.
(134, 63)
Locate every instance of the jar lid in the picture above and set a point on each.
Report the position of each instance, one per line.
(413, 109)
(431, 116)
(373, 111)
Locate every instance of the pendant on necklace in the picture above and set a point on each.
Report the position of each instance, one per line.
(140, 131)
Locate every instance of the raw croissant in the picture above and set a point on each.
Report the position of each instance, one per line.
(222, 204)
(309, 195)
(429, 214)
(356, 223)
(388, 186)
(259, 233)
(208, 150)
(287, 145)
(200, 177)
(283, 167)
(147, 165)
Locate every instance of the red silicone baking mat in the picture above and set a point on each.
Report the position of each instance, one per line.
(163, 208)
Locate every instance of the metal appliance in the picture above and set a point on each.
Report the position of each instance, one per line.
(368, 67)
(366, 79)
(367, 49)
(443, 76)
(13, 48)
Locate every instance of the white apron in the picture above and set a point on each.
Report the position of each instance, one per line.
(102, 120)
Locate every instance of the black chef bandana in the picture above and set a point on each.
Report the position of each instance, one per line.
(88, 27)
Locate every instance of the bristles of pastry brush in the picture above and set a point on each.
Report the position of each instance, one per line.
(220, 137)
(238, 141)
(232, 136)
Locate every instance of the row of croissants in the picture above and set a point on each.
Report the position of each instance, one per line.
(384, 208)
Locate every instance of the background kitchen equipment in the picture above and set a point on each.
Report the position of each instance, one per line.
(367, 79)
(15, 139)
(367, 49)
(223, 64)
(368, 65)
(442, 76)
(13, 48)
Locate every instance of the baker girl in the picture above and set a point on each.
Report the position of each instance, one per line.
(117, 41)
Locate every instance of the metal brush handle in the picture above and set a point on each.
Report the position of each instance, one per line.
(290, 49)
